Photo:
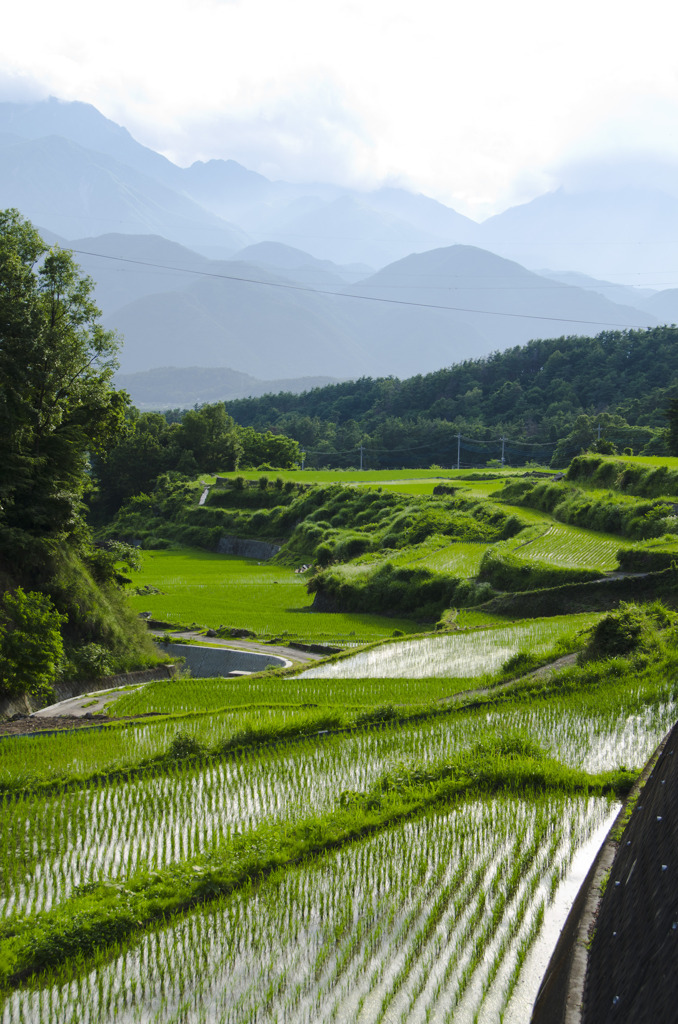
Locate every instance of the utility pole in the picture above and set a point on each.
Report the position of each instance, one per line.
(361, 456)
(503, 443)
(599, 431)
(459, 451)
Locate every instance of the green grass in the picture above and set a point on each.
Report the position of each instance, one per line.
(437, 553)
(569, 547)
(371, 476)
(172, 695)
(271, 600)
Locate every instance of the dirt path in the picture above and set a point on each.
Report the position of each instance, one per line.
(85, 705)
(539, 673)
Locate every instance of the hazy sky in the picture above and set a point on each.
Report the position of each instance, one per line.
(480, 105)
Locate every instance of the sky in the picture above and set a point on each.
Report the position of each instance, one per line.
(480, 106)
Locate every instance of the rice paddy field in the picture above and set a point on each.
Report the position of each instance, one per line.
(569, 547)
(458, 655)
(214, 590)
(384, 836)
(430, 918)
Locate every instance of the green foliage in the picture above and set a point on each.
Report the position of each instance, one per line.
(605, 512)
(536, 393)
(630, 630)
(672, 432)
(504, 570)
(31, 646)
(396, 590)
(57, 403)
(274, 450)
(625, 477)
(578, 597)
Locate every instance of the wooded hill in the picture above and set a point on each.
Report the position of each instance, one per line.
(535, 395)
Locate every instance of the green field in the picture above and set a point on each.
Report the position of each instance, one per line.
(271, 600)
(429, 913)
(569, 546)
(461, 655)
(338, 842)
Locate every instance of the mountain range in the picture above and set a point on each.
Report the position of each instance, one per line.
(214, 265)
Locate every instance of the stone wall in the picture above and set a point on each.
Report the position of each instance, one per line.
(258, 549)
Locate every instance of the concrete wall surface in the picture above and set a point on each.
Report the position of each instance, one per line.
(203, 662)
(259, 549)
(25, 704)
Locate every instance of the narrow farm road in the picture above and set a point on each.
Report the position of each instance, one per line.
(538, 673)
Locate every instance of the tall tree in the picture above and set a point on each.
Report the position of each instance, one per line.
(57, 402)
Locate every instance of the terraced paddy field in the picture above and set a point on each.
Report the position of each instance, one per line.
(189, 585)
(335, 844)
(416, 889)
(458, 655)
(568, 547)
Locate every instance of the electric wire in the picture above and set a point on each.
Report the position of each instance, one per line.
(288, 286)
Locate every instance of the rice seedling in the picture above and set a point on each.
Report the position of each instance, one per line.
(394, 928)
(459, 655)
(53, 842)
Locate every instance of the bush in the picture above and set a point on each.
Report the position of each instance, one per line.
(31, 646)
(630, 630)
(91, 661)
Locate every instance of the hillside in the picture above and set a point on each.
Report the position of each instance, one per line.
(171, 386)
(533, 395)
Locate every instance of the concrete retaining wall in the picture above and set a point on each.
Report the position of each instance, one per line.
(258, 549)
(203, 662)
(25, 704)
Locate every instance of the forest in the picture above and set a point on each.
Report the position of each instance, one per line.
(548, 400)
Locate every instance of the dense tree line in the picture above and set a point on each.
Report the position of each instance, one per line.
(61, 611)
(536, 395)
(205, 440)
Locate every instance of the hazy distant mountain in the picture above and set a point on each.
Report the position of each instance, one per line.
(186, 286)
(493, 299)
(625, 233)
(301, 267)
(129, 267)
(82, 123)
(72, 190)
(599, 225)
(325, 220)
(443, 306)
(266, 329)
(663, 305)
(169, 387)
(351, 230)
(620, 293)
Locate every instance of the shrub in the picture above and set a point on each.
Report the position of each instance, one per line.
(630, 630)
(91, 661)
(31, 646)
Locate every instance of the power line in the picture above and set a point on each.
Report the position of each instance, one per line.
(287, 286)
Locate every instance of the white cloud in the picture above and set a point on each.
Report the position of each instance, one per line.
(477, 105)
